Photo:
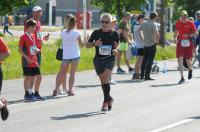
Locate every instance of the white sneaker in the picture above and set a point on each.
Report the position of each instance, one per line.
(112, 82)
(61, 92)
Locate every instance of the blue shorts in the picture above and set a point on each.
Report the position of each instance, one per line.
(70, 60)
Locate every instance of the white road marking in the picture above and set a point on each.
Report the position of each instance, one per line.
(172, 125)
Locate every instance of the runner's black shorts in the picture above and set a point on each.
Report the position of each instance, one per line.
(101, 65)
(140, 52)
(31, 71)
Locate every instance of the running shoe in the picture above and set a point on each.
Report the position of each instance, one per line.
(112, 82)
(181, 81)
(110, 102)
(189, 74)
(120, 71)
(38, 97)
(62, 92)
(104, 106)
(135, 76)
(4, 110)
(130, 70)
(55, 92)
(29, 98)
(149, 79)
(70, 93)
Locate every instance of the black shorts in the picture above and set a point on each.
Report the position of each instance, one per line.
(140, 52)
(101, 65)
(31, 71)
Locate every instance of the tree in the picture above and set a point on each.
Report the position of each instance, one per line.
(164, 4)
(190, 6)
(7, 6)
(118, 6)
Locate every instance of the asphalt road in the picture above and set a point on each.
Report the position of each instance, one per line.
(139, 106)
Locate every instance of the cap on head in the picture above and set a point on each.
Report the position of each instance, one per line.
(127, 14)
(184, 12)
(37, 8)
(140, 16)
(113, 19)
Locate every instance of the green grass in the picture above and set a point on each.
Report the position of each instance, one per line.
(44, 28)
(12, 66)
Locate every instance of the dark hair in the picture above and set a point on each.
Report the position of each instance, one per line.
(71, 23)
(30, 23)
(153, 15)
(140, 16)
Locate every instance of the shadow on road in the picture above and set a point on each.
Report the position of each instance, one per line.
(129, 81)
(20, 101)
(165, 85)
(76, 116)
(87, 86)
(195, 117)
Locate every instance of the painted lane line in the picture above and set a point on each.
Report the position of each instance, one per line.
(172, 125)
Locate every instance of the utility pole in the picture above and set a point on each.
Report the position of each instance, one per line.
(50, 12)
(84, 17)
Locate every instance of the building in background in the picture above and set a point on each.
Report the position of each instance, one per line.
(59, 9)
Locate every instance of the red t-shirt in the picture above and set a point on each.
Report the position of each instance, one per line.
(185, 28)
(38, 34)
(27, 43)
(3, 48)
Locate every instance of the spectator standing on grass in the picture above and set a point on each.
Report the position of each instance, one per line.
(105, 41)
(125, 39)
(31, 70)
(71, 40)
(185, 31)
(150, 34)
(140, 47)
(37, 14)
(7, 23)
(64, 82)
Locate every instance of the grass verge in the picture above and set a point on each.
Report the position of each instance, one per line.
(12, 66)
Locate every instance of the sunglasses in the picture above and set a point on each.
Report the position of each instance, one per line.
(105, 22)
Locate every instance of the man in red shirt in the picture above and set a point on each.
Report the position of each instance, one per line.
(4, 53)
(28, 49)
(185, 30)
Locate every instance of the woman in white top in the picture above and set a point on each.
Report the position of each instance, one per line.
(140, 47)
(71, 39)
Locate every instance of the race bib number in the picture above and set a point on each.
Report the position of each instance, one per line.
(185, 43)
(33, 50)
(105, 49)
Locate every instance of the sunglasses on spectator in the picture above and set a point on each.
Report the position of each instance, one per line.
(105, 22)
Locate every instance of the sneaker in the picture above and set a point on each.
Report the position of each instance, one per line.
(104, 106)
(135, 76)
(149, 79)
(55, 92)
(29, 98)
(112, 82)
(4, 110)
(130, 70)
(181, 81)
(110, 102)
(189, 74)
(61, 92)
(38, 97)
(70, 93)
(120, 71)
